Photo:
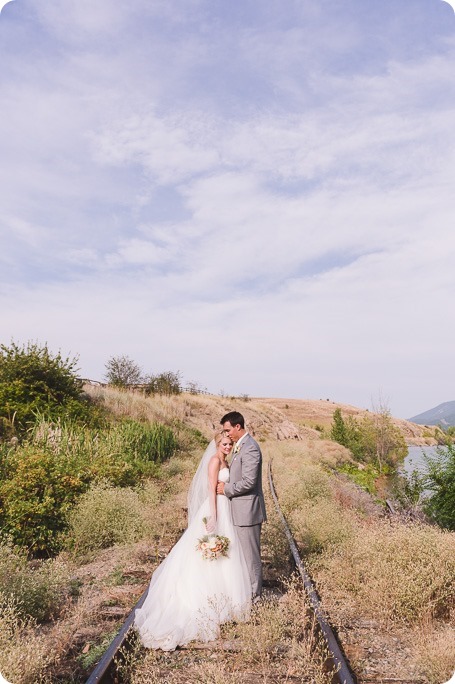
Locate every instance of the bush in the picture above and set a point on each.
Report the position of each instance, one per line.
(315, 518)
(364, 476)
(439, 480)
(37, 496)
(34, 381)
(311, 483)
(319, 525)
(103, 517)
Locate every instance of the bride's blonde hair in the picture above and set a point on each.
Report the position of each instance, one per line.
(218, 436)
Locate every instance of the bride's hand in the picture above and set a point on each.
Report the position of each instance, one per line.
(210, 525)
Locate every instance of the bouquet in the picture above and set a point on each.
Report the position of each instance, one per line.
(213, 546)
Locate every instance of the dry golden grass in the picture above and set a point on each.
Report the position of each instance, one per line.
(435, 651)
(40, 589)
(398, 575)
(399, 571)
(24, 654)
(197, 411)
(393, 571)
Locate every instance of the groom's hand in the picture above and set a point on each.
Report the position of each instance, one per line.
(220, 488)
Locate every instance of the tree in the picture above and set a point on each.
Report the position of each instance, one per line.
(338, 432)
(34, 381)
(347, 433)
(374, 439)
(384, 441)
(122, 371)
(164, 383)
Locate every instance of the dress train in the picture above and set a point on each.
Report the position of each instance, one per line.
(189, 596)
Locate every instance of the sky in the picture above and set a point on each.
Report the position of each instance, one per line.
(258, 194)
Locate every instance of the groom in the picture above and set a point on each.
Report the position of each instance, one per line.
(244, 490)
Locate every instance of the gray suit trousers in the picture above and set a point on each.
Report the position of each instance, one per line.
(250, 542)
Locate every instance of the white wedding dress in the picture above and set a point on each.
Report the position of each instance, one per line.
(190, 597)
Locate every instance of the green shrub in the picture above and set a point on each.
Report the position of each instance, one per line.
(364, 475)
(35, 381)
(41, 480)
(37, 496)
(103, 517)
(439, 480)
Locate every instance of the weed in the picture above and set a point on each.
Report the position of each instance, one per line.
(39, 588)
(320, 525)
(24, 654)
(89, 659)
(394, 572)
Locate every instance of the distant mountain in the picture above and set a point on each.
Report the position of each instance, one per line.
(443, 415)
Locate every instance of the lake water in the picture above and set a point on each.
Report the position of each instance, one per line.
(414, 459)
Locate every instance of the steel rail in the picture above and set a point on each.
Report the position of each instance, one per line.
(103, 671)
(343, 671)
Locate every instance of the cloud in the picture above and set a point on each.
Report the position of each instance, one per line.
(259, 199)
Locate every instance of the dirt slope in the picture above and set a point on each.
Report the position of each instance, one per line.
(307, 414)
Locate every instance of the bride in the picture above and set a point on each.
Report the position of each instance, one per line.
(189, 596)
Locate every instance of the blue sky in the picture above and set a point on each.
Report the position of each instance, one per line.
(258, 194)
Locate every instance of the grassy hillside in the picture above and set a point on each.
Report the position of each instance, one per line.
(388, 585)
(266, 417)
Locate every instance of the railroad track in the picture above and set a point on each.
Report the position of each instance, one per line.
(106, 672)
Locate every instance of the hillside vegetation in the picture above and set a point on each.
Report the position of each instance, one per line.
(90, 509)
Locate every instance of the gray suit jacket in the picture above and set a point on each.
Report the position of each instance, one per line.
(244, 488)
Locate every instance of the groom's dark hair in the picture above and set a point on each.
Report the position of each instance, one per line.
(234, 418)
